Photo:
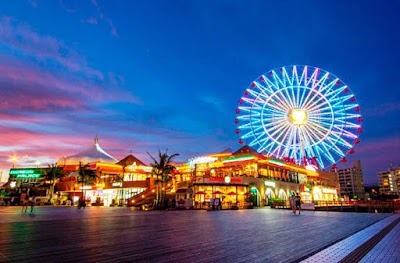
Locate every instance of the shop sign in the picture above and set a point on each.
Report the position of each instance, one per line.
(117, 184)
(269, 183)
(328, 191)
(86, 187)
(202, 159)
(222, 180)
(26, 173)
(305, 188)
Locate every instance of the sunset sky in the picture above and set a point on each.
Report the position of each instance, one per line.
(150, 75)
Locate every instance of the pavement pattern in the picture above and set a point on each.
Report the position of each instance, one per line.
(119, 234)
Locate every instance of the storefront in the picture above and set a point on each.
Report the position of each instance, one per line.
(230, 190)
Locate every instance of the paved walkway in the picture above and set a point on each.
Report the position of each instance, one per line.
(100, 234)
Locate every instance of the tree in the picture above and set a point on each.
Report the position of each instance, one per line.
(86, 175)
(52, 174)
(162, 169)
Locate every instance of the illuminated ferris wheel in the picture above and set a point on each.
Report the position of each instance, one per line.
(300, 114)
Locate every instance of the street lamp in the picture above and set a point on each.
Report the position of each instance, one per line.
(14, 159)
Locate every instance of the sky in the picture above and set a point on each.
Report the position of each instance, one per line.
(145, 76)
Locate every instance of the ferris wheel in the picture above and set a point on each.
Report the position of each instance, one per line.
(300, 114)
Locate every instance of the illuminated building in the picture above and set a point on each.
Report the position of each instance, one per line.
(389, 181)
(114, 182)
(248, 176)
(351, 181)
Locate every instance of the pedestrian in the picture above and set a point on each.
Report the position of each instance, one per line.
(298, 203)
(25, 203)
(293, 203)
(33, 202)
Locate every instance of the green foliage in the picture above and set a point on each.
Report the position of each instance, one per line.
(86, 175)
(162, 169)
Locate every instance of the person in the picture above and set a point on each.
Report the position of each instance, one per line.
(25, 202)
(298, 203)
(33, 202)
(293, 203)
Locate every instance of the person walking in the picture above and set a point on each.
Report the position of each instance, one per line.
(293, 203)
(298, 203)
(25, 203)
(33, 202)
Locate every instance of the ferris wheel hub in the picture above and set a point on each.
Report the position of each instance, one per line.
(297, 116)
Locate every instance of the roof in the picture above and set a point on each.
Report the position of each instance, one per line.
(247, 150)
(227, 150)
(92, 154)
(130, 160)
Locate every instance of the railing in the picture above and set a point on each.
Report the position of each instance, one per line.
(141, 196)
(371, 206)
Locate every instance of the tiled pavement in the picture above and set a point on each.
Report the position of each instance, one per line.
(385, 249)
(59, 234)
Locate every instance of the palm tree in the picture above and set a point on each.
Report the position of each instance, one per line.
(52, 174)
(86, 175)
(162, 169)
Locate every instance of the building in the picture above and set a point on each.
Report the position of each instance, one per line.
(247, 176)
(351, 181)
(113, 181)
(389, 181)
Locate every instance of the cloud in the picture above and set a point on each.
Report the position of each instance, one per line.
(92, 20)
(216, 103)
(380, 110)
(20, 39)
(376, 155)
(101, 16)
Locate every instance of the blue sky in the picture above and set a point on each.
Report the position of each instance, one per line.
(149, 75)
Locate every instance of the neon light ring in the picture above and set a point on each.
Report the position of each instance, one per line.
(300, 114)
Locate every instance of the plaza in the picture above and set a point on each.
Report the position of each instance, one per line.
(120, 234)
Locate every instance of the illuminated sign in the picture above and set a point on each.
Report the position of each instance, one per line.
(227, 179)
(238, 159)
(220, 180)
(203, 159)
(276, 162)
(311, 167)
(328, 191)
(26, 173)
(117, 184)
(86, 187)
(269, 183)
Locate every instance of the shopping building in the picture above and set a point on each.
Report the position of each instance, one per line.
(113, 182)
(244, 178)
(248, 178)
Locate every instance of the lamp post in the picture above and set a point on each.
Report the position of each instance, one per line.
(14, 159)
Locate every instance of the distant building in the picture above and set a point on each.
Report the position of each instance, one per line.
(351, 181)
(389, 181)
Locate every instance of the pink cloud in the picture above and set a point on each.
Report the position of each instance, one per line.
(20, 36)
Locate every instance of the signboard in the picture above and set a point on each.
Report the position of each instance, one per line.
(117, 184)
(219, 180)
(26, 173)
(269, 183)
